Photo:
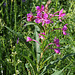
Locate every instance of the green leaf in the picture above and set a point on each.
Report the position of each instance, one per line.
(37, 46)
(2, 2)
(64, 57)
(21, 37)
(58, 72)
(46, 60)
(33, 54)
(40, 26)
(52, 62)
(32, 64)
(73, 48)
(45, 69)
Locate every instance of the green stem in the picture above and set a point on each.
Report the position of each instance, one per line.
(21, 9)
(7, 16)
(15, 64)
(56, 3)
(15, 13)
(11, 13)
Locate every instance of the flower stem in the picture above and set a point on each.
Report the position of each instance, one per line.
(36, 41)
(45, 49)
(47, 46)
(56, 29)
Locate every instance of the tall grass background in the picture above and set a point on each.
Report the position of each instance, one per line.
(22, 58)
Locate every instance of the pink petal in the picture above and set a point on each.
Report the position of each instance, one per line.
(60, 11)
(37, 8)
(64, 32)
(29, 16)
(63, 14)
(42, 7)
(57, 45)
(28, 39)
(43, 33)
(47, 21)
(64, 27)
(57, 51)
(54, 39)
(43, 23)
(37, 20)
(60, 20)
(28, 19)
(40, 36)
(39, 15)
(50, 14)
(45, 16)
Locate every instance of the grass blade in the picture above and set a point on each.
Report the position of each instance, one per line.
(20, 36)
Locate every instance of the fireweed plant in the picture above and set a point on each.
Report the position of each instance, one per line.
(44, 18)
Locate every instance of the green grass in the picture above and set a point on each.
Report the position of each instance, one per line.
(23, 58)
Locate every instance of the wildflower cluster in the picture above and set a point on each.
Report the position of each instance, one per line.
(46, 18)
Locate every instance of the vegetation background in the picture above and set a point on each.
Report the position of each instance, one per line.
(16, 59)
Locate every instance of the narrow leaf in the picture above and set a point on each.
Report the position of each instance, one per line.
(58, 72)
(37, 46)
(32, 64)
(20, 36)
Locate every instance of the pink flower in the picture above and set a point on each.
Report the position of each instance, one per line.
(64, 29)
(56, 41)
(57, 51)
(61, 14)
(42, 18)
(28, 39)
(29, 17)
(39, 10)
(42, 37)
